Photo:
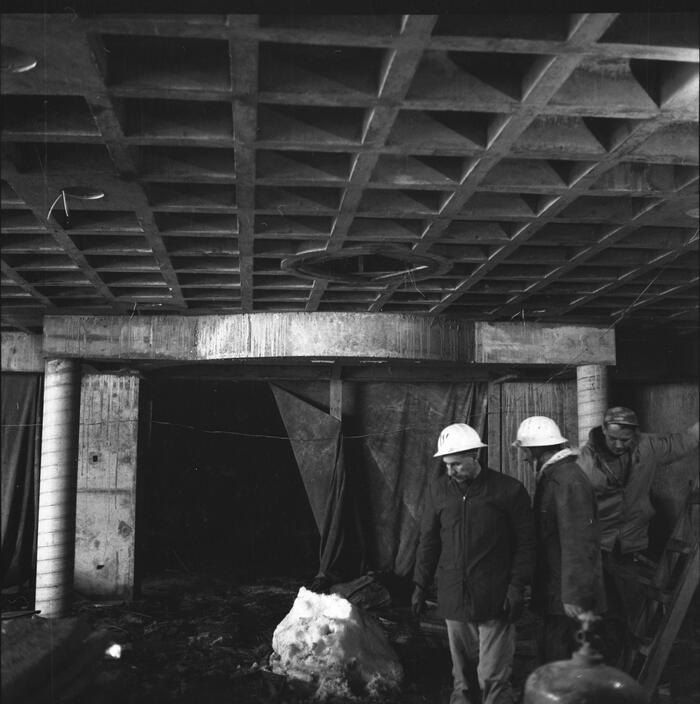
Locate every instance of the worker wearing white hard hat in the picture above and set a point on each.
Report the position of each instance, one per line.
(458, 437)
(568, 577)
(477, 532)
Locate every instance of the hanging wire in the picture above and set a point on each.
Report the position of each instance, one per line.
(44, 166)
(403, 429)
(62, 194)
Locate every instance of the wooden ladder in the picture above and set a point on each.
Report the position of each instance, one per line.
(668, 593)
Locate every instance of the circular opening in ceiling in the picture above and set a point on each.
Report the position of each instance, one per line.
(16, 61)
(366, 265)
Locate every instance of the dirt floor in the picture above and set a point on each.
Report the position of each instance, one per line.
(205, 639)
(196, 638)
(200, 638)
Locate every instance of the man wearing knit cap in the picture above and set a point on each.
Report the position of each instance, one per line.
(620, 462)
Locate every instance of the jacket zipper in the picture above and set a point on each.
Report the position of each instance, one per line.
(465, 529)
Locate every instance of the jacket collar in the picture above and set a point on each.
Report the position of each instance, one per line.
(554, 459)
(596, 440)
(475, 487)
(566, 452)
(596, 443)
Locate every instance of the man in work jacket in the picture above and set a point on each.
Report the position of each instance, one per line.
(620, 463)
(568, 575)
(477, 530)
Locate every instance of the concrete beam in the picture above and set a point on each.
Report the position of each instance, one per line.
(324, 335)
(259, 336)
(21, 352)
(540, 343)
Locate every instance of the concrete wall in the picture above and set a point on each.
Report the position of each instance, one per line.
(106, 500)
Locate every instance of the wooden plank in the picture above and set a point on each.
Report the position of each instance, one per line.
(660, 650)
(520, 399)
(106, 498)
(336, 393)
(540, 343)
(21, 352)
(494, 426)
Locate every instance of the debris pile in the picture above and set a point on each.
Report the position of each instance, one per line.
(334, 649)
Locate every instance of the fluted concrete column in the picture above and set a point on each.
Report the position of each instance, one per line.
(592, 395)
(57, 487)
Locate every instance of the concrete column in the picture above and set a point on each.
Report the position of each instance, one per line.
(592, 395)
(57, 487)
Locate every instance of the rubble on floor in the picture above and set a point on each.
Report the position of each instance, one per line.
(334, 649)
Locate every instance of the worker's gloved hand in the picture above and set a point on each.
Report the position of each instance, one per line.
(418, 601)
(572, 610)
(513, 605)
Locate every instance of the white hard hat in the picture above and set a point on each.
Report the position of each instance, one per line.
(458, 437)
(538, 431)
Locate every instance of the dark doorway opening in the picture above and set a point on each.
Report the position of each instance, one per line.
(222, 490)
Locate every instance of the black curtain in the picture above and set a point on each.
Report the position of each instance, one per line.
(21, 412)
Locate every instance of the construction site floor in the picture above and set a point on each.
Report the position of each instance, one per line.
(193, 638)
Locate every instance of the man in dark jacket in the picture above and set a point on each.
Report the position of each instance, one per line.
(620, 463)
(568, 576)
(477, 530)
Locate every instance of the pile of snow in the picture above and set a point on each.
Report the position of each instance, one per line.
(335, 648)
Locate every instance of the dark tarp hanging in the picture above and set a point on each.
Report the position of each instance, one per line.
(21, 407)
(317, 441)
(398, 427)
(390, 431)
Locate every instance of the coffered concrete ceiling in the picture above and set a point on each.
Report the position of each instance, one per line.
(493, 167)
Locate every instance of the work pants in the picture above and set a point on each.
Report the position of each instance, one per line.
(625, 597)
(484, 649)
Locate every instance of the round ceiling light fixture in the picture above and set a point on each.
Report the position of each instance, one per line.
(15, 61)
(78, 193)
(83, 193)
(366, 265)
